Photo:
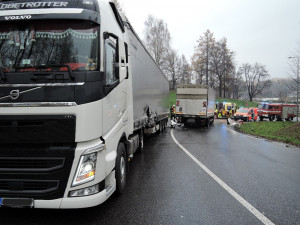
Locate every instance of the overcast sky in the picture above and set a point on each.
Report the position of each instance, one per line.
(263, 31)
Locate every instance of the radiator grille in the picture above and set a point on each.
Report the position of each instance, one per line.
(41, 171)
(19, 164)
(28, 186)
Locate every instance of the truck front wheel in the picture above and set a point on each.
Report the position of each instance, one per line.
(121, 170)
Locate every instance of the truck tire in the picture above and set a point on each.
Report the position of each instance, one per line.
(141, 141)
(261, 118)
(272, 117)
(121, 168)
(207, 123)
(160, 130)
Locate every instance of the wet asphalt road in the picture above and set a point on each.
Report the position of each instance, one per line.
(165, 186)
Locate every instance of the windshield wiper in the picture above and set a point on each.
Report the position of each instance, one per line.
(51, 66)
(2, 74)
(59, 66)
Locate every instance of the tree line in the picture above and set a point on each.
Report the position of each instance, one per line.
(212, 63)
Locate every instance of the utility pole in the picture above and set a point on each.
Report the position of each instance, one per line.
(207, 52)
(298, 62)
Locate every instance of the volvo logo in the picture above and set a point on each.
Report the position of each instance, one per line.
(26, 17)
(14, 94)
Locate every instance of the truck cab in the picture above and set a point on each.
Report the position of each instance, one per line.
(68, 119)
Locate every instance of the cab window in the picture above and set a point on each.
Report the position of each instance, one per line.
(110, 62)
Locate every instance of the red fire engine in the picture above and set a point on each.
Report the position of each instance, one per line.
(277, 110)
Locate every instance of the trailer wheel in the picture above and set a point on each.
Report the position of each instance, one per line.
(164, 125)
(160, 128)
(141, 141)
(207, 123)
(121, 168)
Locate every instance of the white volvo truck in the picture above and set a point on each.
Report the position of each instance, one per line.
(78, 90)
(195, 104)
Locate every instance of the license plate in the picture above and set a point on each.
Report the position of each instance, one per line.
(16, 202)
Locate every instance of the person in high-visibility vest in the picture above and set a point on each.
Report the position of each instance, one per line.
(216, 113)
(220, 113)
(231, 112)
(223, 113)
(172, 111)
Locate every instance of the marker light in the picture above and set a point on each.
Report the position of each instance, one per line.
(86, 169)
(85, 191)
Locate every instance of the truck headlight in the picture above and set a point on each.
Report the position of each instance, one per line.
(86, 169)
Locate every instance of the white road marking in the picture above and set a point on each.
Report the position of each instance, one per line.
(239, 198)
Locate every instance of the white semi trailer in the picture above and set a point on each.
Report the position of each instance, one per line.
(195, 104)
(78, 90)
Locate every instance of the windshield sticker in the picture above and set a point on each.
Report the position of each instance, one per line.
(26, 5)
(26, 61)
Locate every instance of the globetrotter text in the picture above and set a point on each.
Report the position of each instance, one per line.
(32, 5)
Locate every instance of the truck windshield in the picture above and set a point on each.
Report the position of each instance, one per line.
(29, 46)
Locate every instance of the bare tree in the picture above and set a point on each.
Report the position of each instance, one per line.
(157, 40)
(294, 68)
(172, 68)
(256, 77)
(235, 84)
(185, 75)
(201, 57)
(221, 63)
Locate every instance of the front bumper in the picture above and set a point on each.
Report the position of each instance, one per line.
(76, 202)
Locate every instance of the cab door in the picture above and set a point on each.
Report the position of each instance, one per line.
(115, 102)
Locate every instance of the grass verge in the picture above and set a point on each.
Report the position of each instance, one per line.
(239, 103)
(287, 132)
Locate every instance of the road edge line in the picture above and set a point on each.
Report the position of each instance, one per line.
(239, 198)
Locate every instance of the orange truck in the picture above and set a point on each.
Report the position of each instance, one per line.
(277, 110)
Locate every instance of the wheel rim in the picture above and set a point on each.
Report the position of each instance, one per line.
(122, 169)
